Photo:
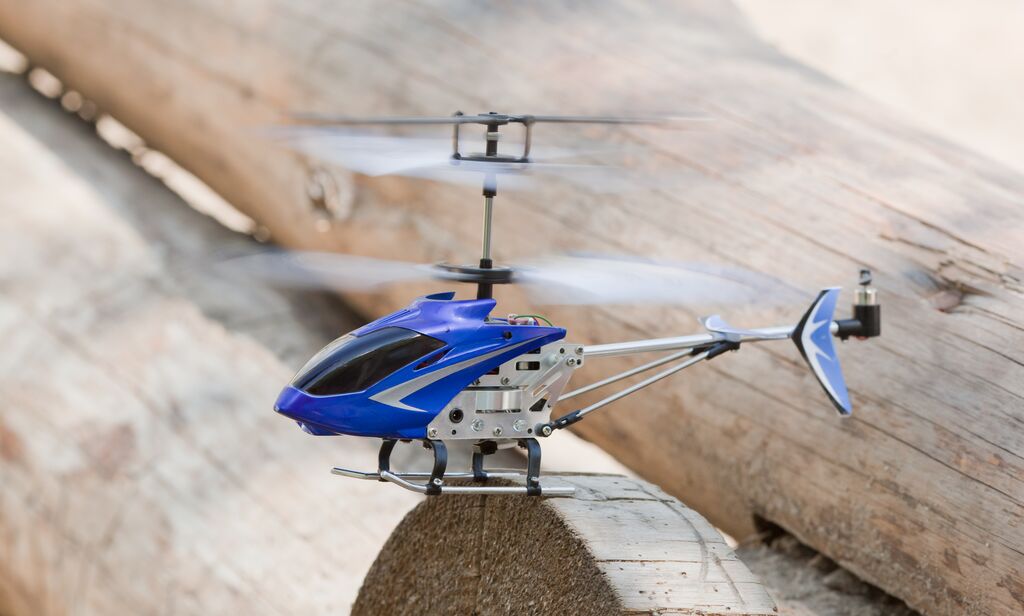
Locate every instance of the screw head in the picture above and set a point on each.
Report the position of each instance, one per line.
(477, 425)
(436, 481)
(545, 430)
(519, 425)
(432, 433)
(497, 431)
(571, 361)
(579, 350)
(505, 380)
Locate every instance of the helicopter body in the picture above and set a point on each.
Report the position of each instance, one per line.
(392, 377)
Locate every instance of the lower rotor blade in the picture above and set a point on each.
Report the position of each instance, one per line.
(572, 280)
(323, 270)
(559, 280)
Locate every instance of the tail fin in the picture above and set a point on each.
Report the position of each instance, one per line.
(813, 336)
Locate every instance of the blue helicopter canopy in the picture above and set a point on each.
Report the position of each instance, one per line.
(391, 377)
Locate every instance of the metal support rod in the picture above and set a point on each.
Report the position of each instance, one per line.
(488, 212)
(625, 375)
(422, 489)
(375, 476)
(644, 383)
(681, 342)
(528, 126)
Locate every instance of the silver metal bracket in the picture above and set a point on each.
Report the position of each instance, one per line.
(511, 401)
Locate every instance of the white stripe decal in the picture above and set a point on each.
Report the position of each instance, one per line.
(393, 395)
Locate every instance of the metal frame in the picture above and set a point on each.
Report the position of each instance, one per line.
(434, 480)
(615, 349)
(512, 401)
(402, 480)
(691, 350)
(512, 387)
(492, 122)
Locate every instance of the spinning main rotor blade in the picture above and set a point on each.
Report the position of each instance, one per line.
(559, 280)
(337, 120)
(377, 155)
(578, 280)
(655, 120)
(331, 142)
(325, 270)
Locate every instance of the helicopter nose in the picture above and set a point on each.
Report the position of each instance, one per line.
(289, 403)
(292, 403)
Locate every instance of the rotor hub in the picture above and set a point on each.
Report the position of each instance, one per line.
(474, 274)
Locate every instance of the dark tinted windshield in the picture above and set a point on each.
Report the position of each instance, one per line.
(353, 363)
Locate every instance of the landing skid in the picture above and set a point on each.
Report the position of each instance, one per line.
(434, 484)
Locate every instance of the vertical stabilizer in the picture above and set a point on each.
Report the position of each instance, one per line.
(813, 336)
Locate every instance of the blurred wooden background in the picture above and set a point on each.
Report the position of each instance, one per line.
(918, 493)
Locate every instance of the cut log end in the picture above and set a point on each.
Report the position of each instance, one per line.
(618, 546)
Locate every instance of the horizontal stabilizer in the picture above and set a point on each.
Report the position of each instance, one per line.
(717, 325)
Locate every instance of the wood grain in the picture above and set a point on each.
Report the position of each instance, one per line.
(618, 546)
(920, 492)
(142, 468)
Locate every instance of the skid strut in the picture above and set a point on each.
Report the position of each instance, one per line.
(440, 464)
(435, 485)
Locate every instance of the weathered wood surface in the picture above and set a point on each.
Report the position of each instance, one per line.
(618, 546)
(920, 492)
(142, 470)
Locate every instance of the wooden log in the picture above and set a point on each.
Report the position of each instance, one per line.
(618, 546)
(919, 492)
(142, 468)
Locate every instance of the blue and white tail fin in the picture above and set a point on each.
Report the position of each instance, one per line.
(813, 336)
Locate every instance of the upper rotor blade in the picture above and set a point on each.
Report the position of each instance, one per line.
(338, 120)
(572, 280)
(377, 155)
(655, 120)
(372, 155)
(518, 176)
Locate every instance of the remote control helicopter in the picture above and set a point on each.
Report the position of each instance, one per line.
(445, 369)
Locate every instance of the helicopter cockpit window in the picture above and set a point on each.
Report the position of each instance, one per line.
(351, 363)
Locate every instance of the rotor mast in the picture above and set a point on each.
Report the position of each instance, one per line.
(485, 275)
(485, 290)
